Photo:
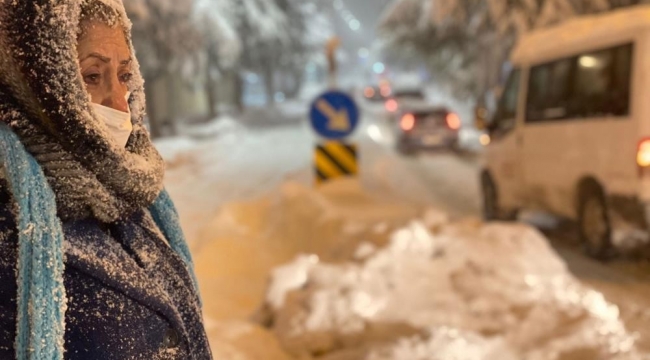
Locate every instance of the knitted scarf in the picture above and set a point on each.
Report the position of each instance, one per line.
(41, 296)
(44, 101)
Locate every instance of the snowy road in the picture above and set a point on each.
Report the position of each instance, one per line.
(239, 166)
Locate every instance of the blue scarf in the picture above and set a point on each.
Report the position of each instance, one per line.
(41, 294)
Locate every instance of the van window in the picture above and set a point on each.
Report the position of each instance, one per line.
(548, 97)
(592, 84)
(603, 83)
(506, 115)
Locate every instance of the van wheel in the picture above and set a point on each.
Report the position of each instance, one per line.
(491, 209)
(490, 198)
(594, 222)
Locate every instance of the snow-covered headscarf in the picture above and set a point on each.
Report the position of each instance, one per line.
(44, 101)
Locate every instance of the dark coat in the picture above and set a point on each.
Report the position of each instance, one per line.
(129, 295)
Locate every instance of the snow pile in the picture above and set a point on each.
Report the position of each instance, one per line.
(290, 277)
(445, 343)
(241, 340)
(497, 289)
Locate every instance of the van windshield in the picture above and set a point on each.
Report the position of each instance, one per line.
(505, 117)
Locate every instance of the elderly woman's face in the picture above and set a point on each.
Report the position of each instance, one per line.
(105, 61)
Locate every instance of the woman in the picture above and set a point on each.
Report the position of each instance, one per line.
(93, 264)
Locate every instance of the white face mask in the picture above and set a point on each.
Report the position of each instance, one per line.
(118, 122)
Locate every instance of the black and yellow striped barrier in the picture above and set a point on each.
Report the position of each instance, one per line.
(335, 159)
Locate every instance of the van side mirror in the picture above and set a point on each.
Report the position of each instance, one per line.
(481, 118)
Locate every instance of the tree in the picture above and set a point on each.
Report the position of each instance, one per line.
(221, 44)
(274, 38)
(165, 38)
(264, 27)
(253, 32)
(466, 42)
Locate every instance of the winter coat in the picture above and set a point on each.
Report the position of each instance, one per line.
(129, 295)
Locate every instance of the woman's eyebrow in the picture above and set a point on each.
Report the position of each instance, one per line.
(126, 62)
(98, 56)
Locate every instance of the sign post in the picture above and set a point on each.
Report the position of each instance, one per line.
(330, 50)
(334, 116)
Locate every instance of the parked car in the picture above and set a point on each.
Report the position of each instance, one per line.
(404, 98)
(571, 134)
(376, 93)
(427, 127)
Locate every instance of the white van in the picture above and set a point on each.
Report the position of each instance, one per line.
(571, 134)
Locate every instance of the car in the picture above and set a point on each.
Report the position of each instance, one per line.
(403, 98)
(377, 93)
(571, 132)
(427, 127)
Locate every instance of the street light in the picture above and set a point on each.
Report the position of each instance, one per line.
(363, 53)
(379, 68)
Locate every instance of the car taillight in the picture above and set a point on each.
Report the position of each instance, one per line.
(391, 105)
(407, 123)
(453, 121)
(643, 154)
(369, 92)
(385, 91)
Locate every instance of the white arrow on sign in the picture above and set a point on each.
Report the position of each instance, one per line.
(339, 120)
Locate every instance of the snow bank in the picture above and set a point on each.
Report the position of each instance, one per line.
(445, 343)
(474, 291)
(182, 149)
(170, 148)
(241, 340)
(221, 126)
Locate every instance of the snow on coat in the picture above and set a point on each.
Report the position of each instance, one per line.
(129, 295)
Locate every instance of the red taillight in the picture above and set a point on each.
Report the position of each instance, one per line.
(385, 91)
(643, 154)
(453, 121)
(407, 123)
(369, 92)
(391, 105)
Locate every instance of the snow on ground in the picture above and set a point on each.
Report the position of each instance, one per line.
(232, 164)
(178, 149)
(374, 284)
(294, 108)
(466, 291)
(221, 127)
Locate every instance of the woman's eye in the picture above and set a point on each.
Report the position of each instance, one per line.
(92, 79)
(126, 77)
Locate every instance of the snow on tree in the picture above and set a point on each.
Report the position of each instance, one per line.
(210, 39)
(274, 38)
(466, 42)
(165, 38)
(215, 21)
(163, 33)
(222, 46)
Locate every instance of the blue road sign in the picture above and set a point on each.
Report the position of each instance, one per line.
(334, 115)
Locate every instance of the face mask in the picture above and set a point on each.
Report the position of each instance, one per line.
(118, 122)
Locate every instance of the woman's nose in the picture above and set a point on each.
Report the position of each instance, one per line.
(116, 99)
